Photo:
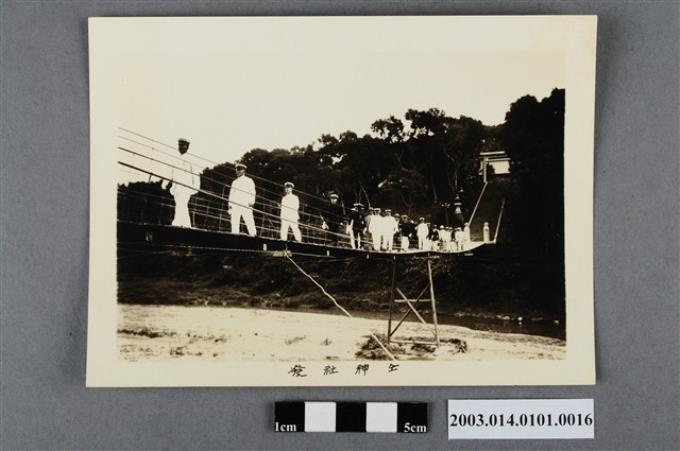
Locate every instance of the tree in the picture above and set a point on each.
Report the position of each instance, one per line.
(533, 134)
(390, 129)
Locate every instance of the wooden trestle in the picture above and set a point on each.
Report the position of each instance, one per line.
(411, 303)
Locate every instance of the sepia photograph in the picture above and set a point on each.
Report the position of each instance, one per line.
(341, 201)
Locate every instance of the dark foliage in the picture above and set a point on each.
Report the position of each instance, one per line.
(533, 136)
(145, 202)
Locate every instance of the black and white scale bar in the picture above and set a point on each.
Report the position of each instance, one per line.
(299, 416)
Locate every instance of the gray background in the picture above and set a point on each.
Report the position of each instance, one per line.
(44, 193)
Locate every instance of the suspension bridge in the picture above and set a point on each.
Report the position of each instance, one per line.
(154, 160)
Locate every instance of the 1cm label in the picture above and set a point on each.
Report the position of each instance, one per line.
(285, 427)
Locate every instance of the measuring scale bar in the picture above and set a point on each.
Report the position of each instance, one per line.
(320, 416)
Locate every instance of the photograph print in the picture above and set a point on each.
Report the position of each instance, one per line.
(341, 201)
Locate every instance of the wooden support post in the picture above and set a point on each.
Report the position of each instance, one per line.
(408, 312)
(409, 303)
(422, 320)
(389, 319)
(434, 302)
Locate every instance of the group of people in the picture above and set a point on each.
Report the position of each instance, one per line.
(380, 230)
(450, 238)
(366, 228)
(385, 229)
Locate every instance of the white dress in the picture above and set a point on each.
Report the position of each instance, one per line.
(184, 185)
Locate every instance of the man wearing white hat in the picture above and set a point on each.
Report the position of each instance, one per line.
(290, 206)
(334, 218)
(375, 228)
(459, 236)
(390, 227)
(241, 201)
(357, 225)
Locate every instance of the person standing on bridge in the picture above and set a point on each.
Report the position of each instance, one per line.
(405, 232)
(241, 201)
(183, 183)
(335, 216)
(375, 228)
(434, 237)
(389, 228)
(459, 236)
(422, 231)
(444, 238)
(357, 225)
(290, 213)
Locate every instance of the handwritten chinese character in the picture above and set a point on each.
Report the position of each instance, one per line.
(297, 371)
(393, 367)
(361, 369)
(329, 369)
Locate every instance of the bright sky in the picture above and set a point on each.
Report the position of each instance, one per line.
(228, 97)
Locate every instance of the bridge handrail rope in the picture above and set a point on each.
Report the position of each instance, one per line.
(498, 224)
(224, 185)
(212, 204)
(309, 238)
(319, 238)
(340, 307)
(221, 198)
(474, 210)
(231, 177)
(274, 232)
(322, 212)
(207, 160)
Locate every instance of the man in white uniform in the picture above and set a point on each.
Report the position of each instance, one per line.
(241, 201)
(375, 228)
(444, 238)
(185, 184)
(459, 237)
(422, 231)
(389, 228)
(290, 206)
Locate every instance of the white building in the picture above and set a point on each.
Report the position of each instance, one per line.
(497, 159)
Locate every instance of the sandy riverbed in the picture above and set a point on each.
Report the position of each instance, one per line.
(148, 332)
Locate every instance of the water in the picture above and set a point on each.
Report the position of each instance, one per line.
(542, 327)
(545, 328)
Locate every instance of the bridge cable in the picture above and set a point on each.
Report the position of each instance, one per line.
(207, 160)
(217, 196)
(224, 185)
(340, 307)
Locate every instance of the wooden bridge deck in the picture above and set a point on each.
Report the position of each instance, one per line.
(136, 234)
